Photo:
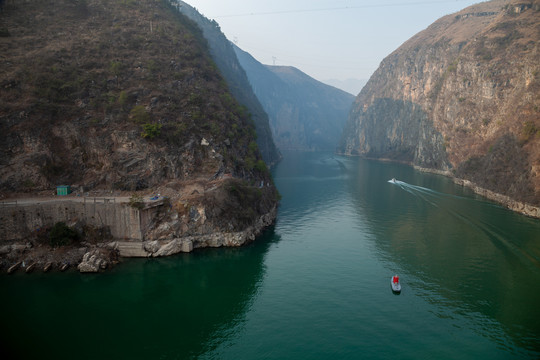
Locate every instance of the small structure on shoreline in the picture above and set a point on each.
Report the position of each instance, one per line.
(63, 190)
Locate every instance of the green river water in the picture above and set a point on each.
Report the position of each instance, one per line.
(314, 286)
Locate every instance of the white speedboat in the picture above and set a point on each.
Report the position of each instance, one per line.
(396, 286)
(393, 180)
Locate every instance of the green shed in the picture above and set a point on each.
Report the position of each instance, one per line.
(63, 190)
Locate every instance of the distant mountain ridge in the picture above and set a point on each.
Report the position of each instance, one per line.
(304, 113)
(461, 97)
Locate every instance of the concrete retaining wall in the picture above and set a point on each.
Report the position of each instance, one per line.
(20, 220)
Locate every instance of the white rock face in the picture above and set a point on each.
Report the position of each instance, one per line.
(93, 261)
(151, 246)
(174, 247)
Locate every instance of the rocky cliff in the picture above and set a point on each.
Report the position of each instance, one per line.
(225, 58)
(121, 98)
(304, 113)
(460, 97)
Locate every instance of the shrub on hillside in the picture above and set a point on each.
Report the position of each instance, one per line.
(136, 201)
(150, 131)
(139, 114)
(62, 235)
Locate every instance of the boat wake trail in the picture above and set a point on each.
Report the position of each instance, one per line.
(428, 195)
(461, 208)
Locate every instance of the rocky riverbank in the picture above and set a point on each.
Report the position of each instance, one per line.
(30, 257)
(102, 254)
(514, 205)
(517, 206)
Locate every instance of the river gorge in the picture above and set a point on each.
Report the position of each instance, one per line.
(315, 286)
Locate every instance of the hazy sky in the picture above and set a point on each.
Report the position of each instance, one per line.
(327, 39)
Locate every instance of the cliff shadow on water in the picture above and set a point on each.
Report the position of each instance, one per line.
(176, 307)
(394, 130)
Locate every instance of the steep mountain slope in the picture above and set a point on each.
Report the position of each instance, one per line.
(462, 97)
(304, 113)
(123, 96)
(225, 58)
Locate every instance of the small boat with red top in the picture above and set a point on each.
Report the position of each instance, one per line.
(396, 286)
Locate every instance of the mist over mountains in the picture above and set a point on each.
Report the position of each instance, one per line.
(304, 113)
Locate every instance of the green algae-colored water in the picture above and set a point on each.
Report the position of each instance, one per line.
(315, 286)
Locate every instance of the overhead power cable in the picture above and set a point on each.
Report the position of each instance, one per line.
(280, 12)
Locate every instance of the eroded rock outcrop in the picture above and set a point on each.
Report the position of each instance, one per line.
(184, 235)
(94, 261)
(460, 98)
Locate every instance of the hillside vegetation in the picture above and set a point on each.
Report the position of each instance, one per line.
(123, 96)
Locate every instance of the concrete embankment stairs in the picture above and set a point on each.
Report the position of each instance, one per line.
(130, 249)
